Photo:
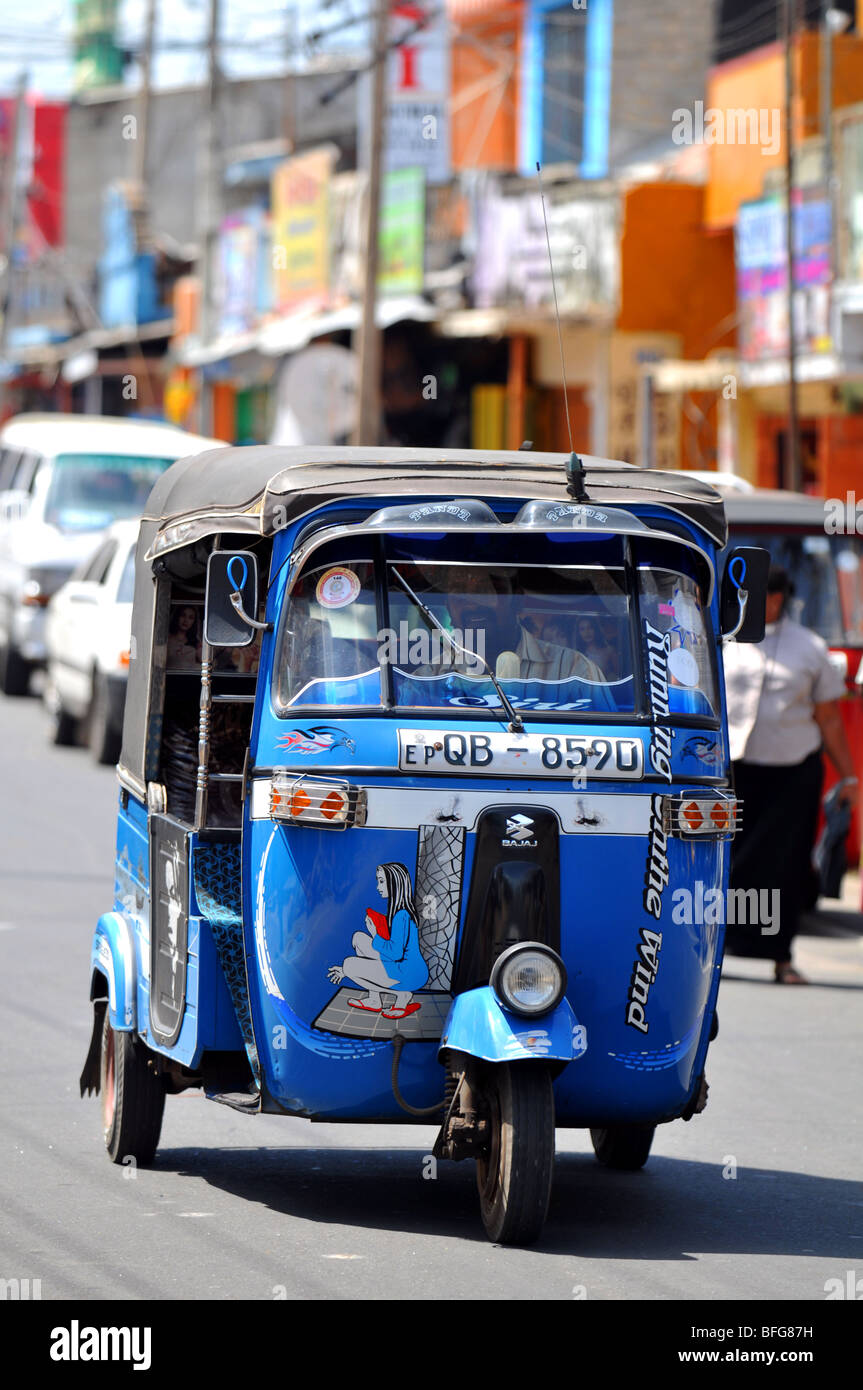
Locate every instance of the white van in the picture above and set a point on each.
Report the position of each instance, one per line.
(63, 480)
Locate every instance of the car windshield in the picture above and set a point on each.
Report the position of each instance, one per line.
(827, 573)
(89, 491)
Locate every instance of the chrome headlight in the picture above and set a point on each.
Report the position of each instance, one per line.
(529, 979)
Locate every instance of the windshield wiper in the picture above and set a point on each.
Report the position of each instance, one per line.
(516, 723)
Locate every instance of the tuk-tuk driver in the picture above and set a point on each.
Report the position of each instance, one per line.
(495, 630)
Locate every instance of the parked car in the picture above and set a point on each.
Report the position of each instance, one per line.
(63, 480)
(87, 637)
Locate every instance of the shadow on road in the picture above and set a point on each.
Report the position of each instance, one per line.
(771, 983)
(668, 1211)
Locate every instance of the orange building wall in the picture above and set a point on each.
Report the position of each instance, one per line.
(485, 87)
(675, 276)
(757, 81)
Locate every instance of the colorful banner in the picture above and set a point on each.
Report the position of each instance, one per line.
(402, 232)
(243, 287)
(762, 276)
(300, 235)
(512, 262)
(41, 156)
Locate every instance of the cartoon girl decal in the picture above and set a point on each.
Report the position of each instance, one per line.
(387, 955)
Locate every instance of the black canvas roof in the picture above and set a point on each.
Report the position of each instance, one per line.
(775, 508)
(257, 479)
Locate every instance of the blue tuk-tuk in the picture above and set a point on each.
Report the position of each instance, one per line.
(422, 752)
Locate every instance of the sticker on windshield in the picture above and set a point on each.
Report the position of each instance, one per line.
(683, 666)
(337, 587)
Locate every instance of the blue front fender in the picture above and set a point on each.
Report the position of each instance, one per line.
(479, 1025)
(113, 955)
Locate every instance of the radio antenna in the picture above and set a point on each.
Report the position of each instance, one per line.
(574, 467)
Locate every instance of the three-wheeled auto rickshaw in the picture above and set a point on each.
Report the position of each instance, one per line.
(424, 785)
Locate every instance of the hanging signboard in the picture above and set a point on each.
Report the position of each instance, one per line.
(512, 265)
(236, 290)
(417, 122)
(402, 232)
(300, 230)
(762, 276)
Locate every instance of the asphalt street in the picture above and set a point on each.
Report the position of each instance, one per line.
(757, 1198)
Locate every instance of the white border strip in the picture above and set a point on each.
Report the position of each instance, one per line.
(405, 808)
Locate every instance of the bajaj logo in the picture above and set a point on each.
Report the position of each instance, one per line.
(519, 830)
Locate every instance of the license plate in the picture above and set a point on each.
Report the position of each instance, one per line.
(530, 755)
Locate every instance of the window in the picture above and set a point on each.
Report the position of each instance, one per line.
(555, 638)
(25, 473)
(329, 648)
(126, 589)
(678, 655)
(826, 573)
(8, 463)
(93, 571)
(563, 48)
(89, 491)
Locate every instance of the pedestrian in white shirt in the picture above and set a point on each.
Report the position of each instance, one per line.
(783, 708)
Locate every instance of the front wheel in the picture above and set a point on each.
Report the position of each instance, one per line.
(624, 1147)
(133, 1098)
(515, 1171)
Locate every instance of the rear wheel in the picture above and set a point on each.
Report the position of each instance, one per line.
(14, 672)
(63, 726)
(133, 1097)
(624, 1147)
(102, 737)
(514, 1173)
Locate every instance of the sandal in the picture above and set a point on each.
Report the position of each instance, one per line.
(401, 1013)
(785, 974)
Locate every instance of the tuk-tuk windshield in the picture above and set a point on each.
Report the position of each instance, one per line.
(425, 633)
(555, 637)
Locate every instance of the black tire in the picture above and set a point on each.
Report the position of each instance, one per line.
(514, 1174)
(133, 1098)
(14, 672)
(64, 727)
(103, 738)
(624, 1147)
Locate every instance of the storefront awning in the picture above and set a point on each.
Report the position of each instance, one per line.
(291, 334)
(50, 354)
(679, 375)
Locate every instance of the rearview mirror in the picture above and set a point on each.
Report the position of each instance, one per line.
(744, 593)
(232, 599)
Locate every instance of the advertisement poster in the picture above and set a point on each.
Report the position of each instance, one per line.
(762, 276)
(512, 253)
(402, 232)
(300, 203)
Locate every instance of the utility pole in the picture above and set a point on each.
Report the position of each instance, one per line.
(142, 133)
(289, 91)
(833, 22)
(11, 206)
(209, 192)
(368, 424)
(794, 478)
